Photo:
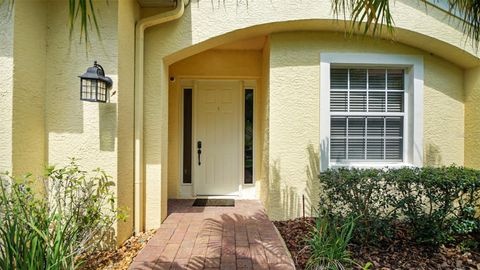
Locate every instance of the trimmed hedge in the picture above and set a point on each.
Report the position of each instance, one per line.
(437, 204)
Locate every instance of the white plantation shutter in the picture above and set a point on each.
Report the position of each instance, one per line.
(358, 79)
(376, 102)
(376, 79)
(358, 101)
(339, 101)
(367, 110)
(339, 79)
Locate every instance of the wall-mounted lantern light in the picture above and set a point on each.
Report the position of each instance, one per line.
(94, 85)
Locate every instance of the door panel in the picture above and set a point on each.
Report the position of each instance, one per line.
(218, 127)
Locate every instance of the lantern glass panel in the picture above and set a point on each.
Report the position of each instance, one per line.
(102, 91)
(87, 90)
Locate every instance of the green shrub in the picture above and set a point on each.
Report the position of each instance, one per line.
(328, 243)
(437, 203)
(50, 231)
(360, 193)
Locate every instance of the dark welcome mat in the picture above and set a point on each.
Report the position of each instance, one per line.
(214, 202)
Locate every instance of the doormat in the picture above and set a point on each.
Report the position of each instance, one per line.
(214, 202)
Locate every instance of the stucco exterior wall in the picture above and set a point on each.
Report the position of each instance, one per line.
(128, 14)
(87, 131)
(295, 103)
(212, 64)
(472, 118)
(6, 87)
(264, 131)
(43, 120)
(205, 25)
(29, 61)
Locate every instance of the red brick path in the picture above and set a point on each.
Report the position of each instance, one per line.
(240, 237)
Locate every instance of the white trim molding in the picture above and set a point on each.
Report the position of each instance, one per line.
(413, 122)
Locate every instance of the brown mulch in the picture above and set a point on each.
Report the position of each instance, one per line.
(120, 258)
(400, 253)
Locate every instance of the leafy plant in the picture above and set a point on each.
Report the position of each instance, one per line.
(49, 231)
(328, 242)
(438, 204)
(362, 193)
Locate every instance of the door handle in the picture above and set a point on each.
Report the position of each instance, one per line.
(199, 152)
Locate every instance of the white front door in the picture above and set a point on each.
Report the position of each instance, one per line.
(218, 130)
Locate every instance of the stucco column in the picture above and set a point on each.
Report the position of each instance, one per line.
(29, 86)
(6, 88)
(472, 117)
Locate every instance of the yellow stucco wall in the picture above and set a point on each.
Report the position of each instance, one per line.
(205, 25)
(263, 131)
(295, 104)
(43, 120)
(6, 87)
(472, 118)
(29, 87)
(212, 64)
(128, 13)
(88, 131)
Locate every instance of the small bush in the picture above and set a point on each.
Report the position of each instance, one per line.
(50, 231)
(437, 203)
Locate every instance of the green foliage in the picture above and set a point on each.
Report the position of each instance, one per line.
(371, 16)
(437, 203)
(328, 242)
(85, 10)
(50, 231)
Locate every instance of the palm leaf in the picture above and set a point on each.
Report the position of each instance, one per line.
(83, 10)
(371, 16)
(469, 11)
(367, 16)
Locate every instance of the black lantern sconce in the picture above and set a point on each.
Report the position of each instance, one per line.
(94, 85)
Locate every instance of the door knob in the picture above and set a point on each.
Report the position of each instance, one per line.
(199, 152)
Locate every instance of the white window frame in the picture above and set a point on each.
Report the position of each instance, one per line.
(413, 105)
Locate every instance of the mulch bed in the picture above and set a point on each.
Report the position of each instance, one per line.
(400, 253)
(121, 258)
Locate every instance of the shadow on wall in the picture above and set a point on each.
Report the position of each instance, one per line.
(107, 113)
(432, 155)
(313, 184)
(431, 11)
(285, 201)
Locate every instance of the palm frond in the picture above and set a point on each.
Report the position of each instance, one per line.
(469, 11)
(367, 16)
(84, 10)
(371, 16)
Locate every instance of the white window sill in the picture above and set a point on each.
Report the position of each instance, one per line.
(372, 165)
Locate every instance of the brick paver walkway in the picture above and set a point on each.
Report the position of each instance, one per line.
(240, 237)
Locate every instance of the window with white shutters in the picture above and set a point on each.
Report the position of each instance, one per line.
(367, 114)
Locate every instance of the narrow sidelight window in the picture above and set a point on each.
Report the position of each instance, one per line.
(248, 148)
(187, 136)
